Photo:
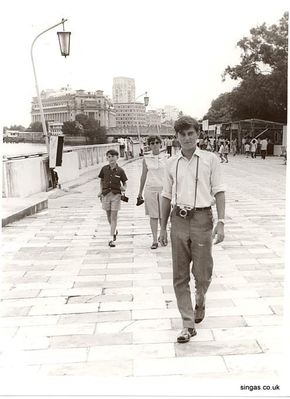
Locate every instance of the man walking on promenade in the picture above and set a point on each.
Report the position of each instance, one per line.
(192, 180)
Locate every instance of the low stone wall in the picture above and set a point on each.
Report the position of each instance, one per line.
(28, 176)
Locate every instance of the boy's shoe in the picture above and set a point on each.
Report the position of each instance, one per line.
(185, 335)
(115, 235)
(112, 244)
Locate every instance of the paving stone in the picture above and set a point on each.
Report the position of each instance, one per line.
(45, 356)
(263, 320)
(58, 329)
(106, 368)
(158, 336)
(133, 351)
(217, 348)
(261, 363)
(95, 317)
(87, 341)
(181, 365)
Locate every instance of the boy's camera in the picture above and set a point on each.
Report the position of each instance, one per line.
(124, 198)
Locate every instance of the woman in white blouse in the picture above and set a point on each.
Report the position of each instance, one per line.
(152, 174)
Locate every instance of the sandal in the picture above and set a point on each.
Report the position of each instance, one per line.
(112, 244)
(154, 245)
(115, 235)
(185, 335)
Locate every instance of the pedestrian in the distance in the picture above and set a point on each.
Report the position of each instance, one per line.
(247, 149)
(264, 146)
(253, 145)
(152, 174)
(234, 147)
(168, 144)
(221, 152)
(112, 182)
(226, 151)
(175, 146)
(191, 182)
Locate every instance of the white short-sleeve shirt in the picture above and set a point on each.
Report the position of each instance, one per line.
(210, 179)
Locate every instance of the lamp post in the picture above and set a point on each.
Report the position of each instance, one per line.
(146, 102)
(64, 42)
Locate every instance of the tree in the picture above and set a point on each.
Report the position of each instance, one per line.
(262, 73)
(87, 127)
(221, 109)
(71, 128)
(35, 127)
(20, 128)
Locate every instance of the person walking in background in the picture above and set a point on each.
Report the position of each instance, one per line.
(226, 151)
(175, 146)
(264, 145)
(191, 182)
(168, 144)
(247, 149)
(112, 182)
(234, 147)
(243, 145)
(152, 174)
(253, 145)
(221, 151)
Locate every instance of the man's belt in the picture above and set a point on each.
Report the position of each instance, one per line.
(186, 212)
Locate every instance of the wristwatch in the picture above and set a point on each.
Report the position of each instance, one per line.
(221, 220)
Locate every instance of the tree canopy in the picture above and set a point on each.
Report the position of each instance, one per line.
(87, 127)
(262, 76)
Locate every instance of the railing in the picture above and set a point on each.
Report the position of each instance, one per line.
(28, 174)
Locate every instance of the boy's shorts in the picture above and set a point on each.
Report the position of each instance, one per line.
(111, 202)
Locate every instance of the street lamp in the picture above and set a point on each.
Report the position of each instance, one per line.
(64, 42)
(146, 102)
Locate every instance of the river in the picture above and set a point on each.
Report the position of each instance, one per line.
(15, 149)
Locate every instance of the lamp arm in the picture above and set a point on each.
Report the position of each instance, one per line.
(36, 84)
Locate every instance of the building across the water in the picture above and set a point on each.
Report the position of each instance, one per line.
(63, 106)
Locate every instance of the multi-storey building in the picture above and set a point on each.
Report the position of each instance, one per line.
(130, 114)
(123, 90)
(64, 105)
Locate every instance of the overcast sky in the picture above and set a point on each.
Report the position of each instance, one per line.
(176, 50)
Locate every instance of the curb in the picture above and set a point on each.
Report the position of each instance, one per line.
(25, 210)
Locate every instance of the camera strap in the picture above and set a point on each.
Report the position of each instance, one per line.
(196, 180)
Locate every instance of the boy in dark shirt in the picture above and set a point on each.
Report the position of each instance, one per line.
(112, 183)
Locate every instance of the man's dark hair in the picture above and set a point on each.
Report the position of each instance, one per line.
(153, 138)
(112, 152)
(185, 122)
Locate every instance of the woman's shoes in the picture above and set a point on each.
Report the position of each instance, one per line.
(112, 244)
(154, 245)
(115, 235)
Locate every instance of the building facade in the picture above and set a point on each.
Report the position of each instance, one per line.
(130, 114)
(123, 90)
(63, 106)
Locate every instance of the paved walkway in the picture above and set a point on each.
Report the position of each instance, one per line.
(70, 305)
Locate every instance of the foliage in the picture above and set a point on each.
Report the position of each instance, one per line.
(20, 128)
(262, 77)
(35, 127)
(87, 127)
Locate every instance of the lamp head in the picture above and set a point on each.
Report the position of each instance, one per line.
(146, 99)
(64, 42)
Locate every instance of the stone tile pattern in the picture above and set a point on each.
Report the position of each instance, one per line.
(70, 305)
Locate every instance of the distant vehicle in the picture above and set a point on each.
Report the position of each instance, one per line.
(12, 136)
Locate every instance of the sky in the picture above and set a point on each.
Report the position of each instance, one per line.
(176, 50)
